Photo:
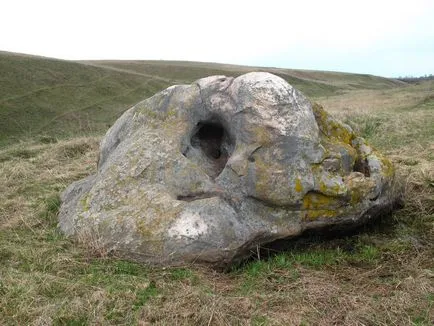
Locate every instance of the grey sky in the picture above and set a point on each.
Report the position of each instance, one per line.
(388, 38)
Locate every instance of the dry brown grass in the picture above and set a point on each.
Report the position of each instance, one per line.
(374, 101)
(29, 172)
(349, 295)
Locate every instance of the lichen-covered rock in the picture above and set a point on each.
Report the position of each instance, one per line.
(206, 172)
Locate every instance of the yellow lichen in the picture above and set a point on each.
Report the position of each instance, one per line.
(331, 127)
(316, 205)
(298, 185)
(335, 189)
(320, 213)
(313, 200)
(388, 169)
(85, 205)
(359, 187)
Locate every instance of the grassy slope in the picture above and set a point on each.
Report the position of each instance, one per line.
(40, 96)
(312, 83)
(56, 98)
(380, 276)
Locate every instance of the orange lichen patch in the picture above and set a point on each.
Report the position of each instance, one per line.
(331, 127)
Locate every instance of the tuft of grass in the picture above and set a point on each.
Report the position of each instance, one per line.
(260, 321)
(52, 206)
(143, 295)
(319, 258)
(368, 254)
(369, 127)
(128, 268)
(183, 274)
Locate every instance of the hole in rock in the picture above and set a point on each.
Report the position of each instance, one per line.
(210, 139)
(214, 143)
(361, 165)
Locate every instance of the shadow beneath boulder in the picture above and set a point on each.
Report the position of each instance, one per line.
(343, 237)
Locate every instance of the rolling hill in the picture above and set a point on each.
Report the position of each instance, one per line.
(42, 97)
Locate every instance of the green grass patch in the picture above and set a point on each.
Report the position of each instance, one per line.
(143, 295)
(318, 258)
(180, 274)
(260, 321)
(51, 209)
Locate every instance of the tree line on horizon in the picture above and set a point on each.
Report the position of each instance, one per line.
(412, 79)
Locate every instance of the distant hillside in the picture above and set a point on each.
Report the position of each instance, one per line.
(312, 83)
(56, 98)
(40, 96)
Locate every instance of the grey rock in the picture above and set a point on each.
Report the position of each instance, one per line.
(206, 172)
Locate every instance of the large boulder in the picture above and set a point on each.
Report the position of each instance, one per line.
(206, 172)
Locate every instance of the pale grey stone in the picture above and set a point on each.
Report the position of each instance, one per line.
(206, 172)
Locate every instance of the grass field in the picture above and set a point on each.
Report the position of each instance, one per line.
(52, 116)
(46, 98)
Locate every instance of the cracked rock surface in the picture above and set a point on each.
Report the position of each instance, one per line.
(206, 172)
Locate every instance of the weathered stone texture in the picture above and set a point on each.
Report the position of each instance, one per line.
(207, 171)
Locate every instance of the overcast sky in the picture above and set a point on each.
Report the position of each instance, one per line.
(387, 38)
